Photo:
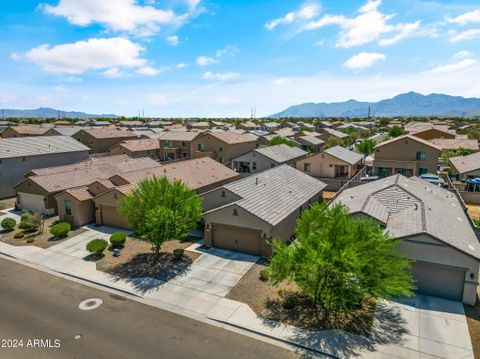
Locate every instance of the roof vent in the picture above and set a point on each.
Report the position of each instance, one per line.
(256, 180)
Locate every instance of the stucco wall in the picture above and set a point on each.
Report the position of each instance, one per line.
(99, 145)
(219, 150)
(322, 165)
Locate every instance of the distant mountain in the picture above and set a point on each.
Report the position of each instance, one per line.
(409, 104)
(45, 112)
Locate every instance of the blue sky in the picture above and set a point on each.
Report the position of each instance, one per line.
(187, 58)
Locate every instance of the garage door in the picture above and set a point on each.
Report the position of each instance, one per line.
(31, 202)
(237, 239)
(439, 281)
(111, 218)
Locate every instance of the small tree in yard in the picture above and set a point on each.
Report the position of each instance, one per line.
(61, 229)
(366, 146)
(97, 246)
(338, 261)
(279, 140)
(8, 224)
(159, 210)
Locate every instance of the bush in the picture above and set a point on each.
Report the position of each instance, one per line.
(117, 240)
(19, 235)
(8, 224)
(178, 253)
(60, 229)
(288, 303)
(29, 222)
(97, 246)
(30, 239)
(25, 217)
(264, 275)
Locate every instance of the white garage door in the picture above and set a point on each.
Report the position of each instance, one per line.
(439, 281)
(31, 202)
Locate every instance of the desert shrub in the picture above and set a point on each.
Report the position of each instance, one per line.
(264, 275)
(117, 240)
(178, 253)
(30, 222)
(19, 235)
(60, 229)
(8, 224)
(97, 246)
(25, 217)
(30, 240)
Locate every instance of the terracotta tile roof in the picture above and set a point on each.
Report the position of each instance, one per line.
(80, 193)
(455, 144)
(109, 132)
(410, 137)
(465, 164)
(178, 136)
(31, 129)
(234, 138)
(141, 145)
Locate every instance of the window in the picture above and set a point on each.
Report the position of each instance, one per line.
(254, 166)
(68, 208)
(223, 194)
(168, 143)
(184, 144)
(235, 212)
(421, 155)
(185, 154)
(422, 171)
(306, 167)
(201, 147)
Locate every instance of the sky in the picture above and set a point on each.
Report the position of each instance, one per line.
(219, 58)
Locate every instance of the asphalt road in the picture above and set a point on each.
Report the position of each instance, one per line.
(37, 305)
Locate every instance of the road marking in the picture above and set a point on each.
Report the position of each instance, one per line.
(89, 304)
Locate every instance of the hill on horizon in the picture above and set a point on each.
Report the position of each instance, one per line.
(409, 104)
(46, 112)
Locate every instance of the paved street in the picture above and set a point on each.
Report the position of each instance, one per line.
(37, 305)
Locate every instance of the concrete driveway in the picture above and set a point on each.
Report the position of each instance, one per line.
(76, 246)
(435, 328)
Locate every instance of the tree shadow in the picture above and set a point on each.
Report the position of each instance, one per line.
(146, 274)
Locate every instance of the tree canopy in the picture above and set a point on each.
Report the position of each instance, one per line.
(338, 261)
(366, 146)
(279, 140)
(396, 131)
(159, 210)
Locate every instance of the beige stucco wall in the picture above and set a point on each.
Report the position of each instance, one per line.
(432, 133)
(214, 199)
(219, 150)
(28, 186)
(180, 149)
(82, 212)
(99, 145)
(323, 165)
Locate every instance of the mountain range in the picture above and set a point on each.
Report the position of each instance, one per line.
(46, 112)
(410, 104)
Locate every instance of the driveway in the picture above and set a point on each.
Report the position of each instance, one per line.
(11, 213)
(76, 246)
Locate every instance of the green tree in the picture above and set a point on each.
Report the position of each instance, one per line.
(338, 261)
(396, 131)
(366, 146)
(159, 210)
(279, 140)
(333, 141)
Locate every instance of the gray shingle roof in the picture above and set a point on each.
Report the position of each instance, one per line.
(274, 194)
(31, 146)
(281, 153)
(412, 206)
(344, 154)
(465, 164)
(311, 140)
(335, 133)
(68, 131)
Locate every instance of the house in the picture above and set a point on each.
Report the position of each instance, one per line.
(100, 140)
(270, 127)
(222, 146)
(248, 126)
(432, 228)
(465, 166)
(20, 155)
(28, 131)
(157, 123)
(138, 148)
(198, 125)
(37, 191)
(285, 132)
(244, 215)
(407, 155)
(335, 163)
(263, 158)
(130, 124)
(329, 132)
(98, 200)
(432, 133)
(66, 130)
(175, 145)
(456, 144)
(310, 143)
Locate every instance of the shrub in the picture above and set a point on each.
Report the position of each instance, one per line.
(178, 253)
(19, 235)
(118, 239)
(60, 229)
(8, 224)
(30, 239)
(264, 275)
(288, 303)
(30, 222)
(25, 217)
(97, 246)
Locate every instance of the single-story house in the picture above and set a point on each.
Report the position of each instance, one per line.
(263, 158)
(244, 215)
(310, 143)
(432, 228)
(466, 166)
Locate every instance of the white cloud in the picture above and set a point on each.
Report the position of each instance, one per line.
(369, 25)
(173, 40)
(157, 99)
(306, 12)
(363, 60)
(147, 71)
(81, 56)
(113, 72)
(228, 50)
(462, 54)
(119, 15)
(455, 67)
(464, 19)
(206, 60)
(219, 76)
(464, 35)
(60, 88)
(181, 65)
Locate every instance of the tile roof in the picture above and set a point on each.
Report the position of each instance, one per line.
(67, 130)
(344, 154)
(311, 140)
(177, 136)
(274, 194)
(31, 129)
(465, 164)
(42, 145)
(80, 193)
(108, 132)
(412, 206)
(281, 153)
(141, 145)
(285, 132)
(233, 138)
(455, 144)
(335, 133)
(410, 137)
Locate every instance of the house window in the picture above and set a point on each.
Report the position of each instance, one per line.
(306, 167)
(235, 212)
(184, 144)
(254, 166)
(422, 171)
(185, 154)
(68, 208)
(223, 194)
(421, 155)
(168, 143)
(201, 147)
